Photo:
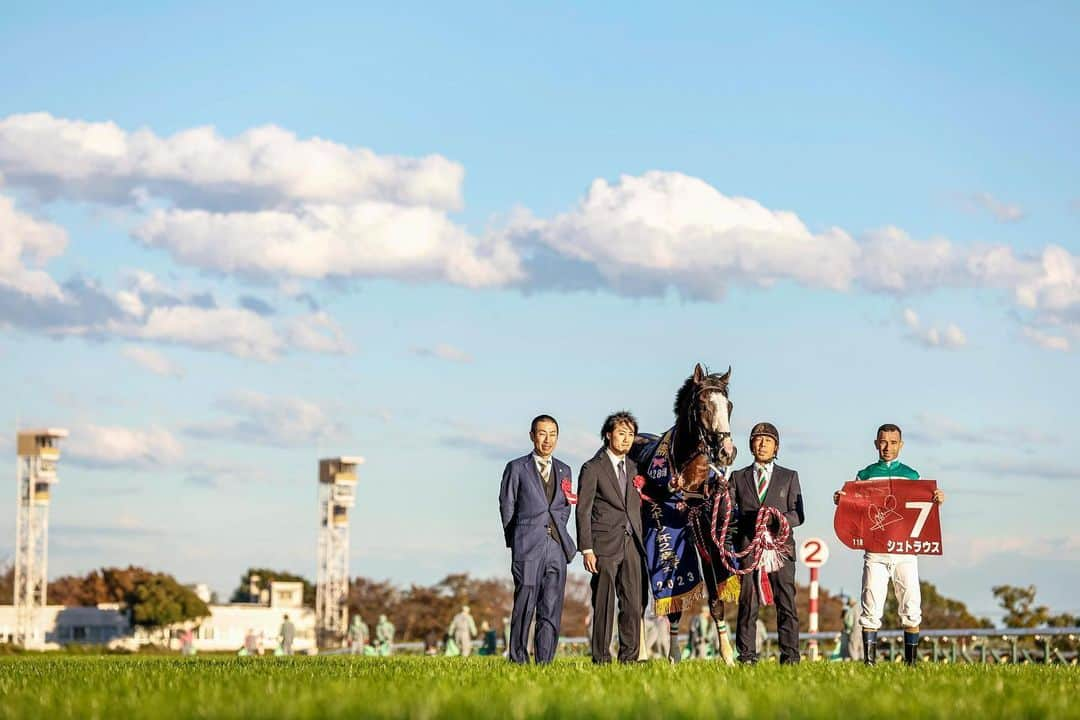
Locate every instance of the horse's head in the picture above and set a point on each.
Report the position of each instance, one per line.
(702, 406)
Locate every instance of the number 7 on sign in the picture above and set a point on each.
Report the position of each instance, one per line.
(924, 512)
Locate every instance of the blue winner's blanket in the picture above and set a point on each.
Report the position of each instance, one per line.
(675, 523)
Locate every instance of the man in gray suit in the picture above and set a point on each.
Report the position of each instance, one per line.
(534, 501)
(609, 534)
(764, 483)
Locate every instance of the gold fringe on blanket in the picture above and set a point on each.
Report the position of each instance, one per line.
(679, 603)
(729, 591)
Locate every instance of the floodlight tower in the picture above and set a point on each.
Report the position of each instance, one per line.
(337, 494)
(36, 474)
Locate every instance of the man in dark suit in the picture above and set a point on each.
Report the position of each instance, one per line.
(764, 483)
(534, 501)
(609, 535)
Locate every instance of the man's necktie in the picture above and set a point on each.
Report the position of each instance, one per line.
(622, 489)
(761, 480)
(545, 470)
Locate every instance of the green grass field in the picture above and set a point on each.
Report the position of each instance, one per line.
(56, 687)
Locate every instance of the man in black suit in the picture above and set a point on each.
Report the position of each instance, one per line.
(609, 535)
(764, 483)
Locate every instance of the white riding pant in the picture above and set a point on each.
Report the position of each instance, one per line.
(903, 570)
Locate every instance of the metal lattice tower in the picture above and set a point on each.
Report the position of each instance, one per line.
(36, 474)
(337, 494)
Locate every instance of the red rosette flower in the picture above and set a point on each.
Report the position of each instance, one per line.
(568, 491)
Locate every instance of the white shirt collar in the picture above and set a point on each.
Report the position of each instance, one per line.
(615, 460)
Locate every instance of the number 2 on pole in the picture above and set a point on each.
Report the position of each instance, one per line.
(924, 512)
(812, 556)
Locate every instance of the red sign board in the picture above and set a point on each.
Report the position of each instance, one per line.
(889, 516)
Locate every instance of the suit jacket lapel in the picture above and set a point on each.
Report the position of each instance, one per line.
(746, 477)
(558, 484)
(538, 482)
(772, 493)
(629, 483)
(613, 479)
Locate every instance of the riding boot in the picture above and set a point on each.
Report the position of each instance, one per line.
(911, 647)
(869, 641)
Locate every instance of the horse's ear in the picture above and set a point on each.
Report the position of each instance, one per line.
(699, 373)
(726, 377)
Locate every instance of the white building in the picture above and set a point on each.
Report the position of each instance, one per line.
(60, 625)
(228, 625)
(224, 630)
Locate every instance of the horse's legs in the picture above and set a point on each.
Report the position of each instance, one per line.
(716, 608)
(674, 651)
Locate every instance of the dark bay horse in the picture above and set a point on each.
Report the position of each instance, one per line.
(683, 475)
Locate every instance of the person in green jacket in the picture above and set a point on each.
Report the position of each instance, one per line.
(358, 635)
(384, 636)
(880, 568)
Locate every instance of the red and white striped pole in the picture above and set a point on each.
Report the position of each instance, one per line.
(813, 611)
(813, 552)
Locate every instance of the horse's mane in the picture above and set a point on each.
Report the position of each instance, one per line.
(686, 393)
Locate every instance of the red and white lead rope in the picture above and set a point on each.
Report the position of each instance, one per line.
(763, 550)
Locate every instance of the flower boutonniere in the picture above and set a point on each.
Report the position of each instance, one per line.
(568, 491)
(639, 485)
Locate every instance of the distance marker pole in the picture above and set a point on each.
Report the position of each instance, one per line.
(813, 611)
(813, 552)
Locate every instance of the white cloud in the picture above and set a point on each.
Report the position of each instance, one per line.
(891, 261)
(233, 330)
(984, 202)
(665, 229)
(1052, 285)
(261, 167)
(142, 308)
(23, 240)
(966, 551)
(1025, 468)
(949, 338)
(318, 332)
(275, 421)
(270, 207)
(263, 204)
(443, 351)
(1046, 340)
(114, 446)
(936, 429)
(373, 239)
(152, 360)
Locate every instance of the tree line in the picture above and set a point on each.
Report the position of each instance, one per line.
(156, 600)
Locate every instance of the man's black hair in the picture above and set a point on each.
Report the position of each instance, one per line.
(543, 418)
(622, 416)
(889, 427)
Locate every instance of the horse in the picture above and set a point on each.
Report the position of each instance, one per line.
(685, 494)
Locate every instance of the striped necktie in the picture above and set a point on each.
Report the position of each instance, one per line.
(545, 470)
(762, 480)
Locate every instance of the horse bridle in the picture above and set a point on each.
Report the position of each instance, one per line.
(714, 444)
(712, 451)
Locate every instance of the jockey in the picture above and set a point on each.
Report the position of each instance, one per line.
(879, 568)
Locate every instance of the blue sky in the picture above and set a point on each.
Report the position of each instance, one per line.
(235, 240)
